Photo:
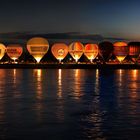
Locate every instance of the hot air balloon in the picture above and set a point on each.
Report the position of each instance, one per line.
(105, 50)
(120, 50)
(37, 47)
(91, 51)
(14, 51)
(76, 50)
(59, 50)
(134, 50)
(2, 51)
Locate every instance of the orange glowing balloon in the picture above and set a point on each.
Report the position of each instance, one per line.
(91, 51)
(2, 51)
(120, 50)
(76, 50)
(14, 51)
(38, 47)
(60, 51)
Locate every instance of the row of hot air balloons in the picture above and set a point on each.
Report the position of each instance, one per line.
(39, 46)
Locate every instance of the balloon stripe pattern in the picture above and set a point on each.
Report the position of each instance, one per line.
(76, 50)
(120, 50)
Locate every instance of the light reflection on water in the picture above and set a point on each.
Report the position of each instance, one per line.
(69, 104)
(38, 77)
(59, 83)
(60, 105)
(78, 84)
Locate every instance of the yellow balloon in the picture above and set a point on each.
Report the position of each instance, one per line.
(2, 51)
(76, 50)
(38, 47)
(91, 51)
(14, 51)
(60, 51)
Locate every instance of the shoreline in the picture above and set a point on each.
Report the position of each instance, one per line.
(69, 66)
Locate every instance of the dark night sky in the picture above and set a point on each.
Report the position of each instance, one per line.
(110, 18)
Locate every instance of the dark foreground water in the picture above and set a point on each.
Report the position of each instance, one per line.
(71, 104)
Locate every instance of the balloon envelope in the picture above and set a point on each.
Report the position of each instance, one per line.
(91, 51)
(38, 47)
(14, 51)
(2, 51)
(59, 50)
(105, 50)
(76, 50)
(134, 50)
(120, 50)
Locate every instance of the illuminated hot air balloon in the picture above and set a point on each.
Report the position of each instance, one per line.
(105, 50)
(59, 50)
(14, 51)
(91, 51)
(2, 51)
(76, 50)
(38, 47)
(120, 50)
(134, 50)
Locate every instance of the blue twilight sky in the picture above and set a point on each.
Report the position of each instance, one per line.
(110, 18)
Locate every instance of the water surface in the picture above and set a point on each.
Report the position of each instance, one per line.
(69, 104)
